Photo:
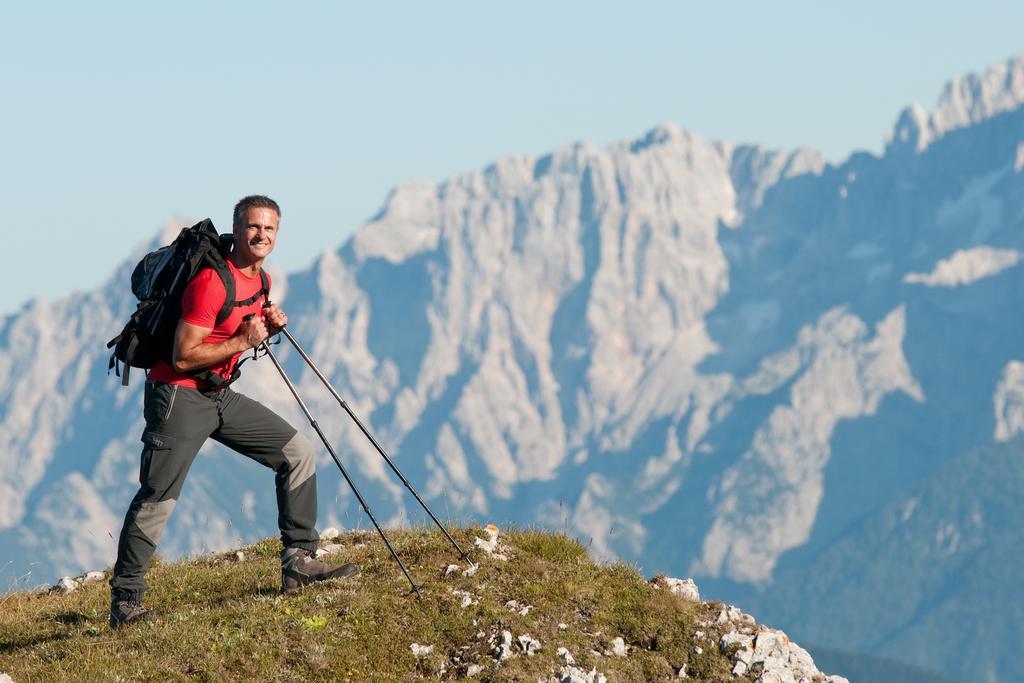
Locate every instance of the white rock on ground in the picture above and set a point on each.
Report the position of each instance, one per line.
(240, 556)
(473, 670)
(421, 650)
(685, 588)
(775, 657)
(490, 546)
(471, 569)
(329, 533)
(329, 549)
(5, 678)
(736, 616)
(734, 638)
(767, 652)
(521, 610)
(93, 577)
(528, 644)
(574, 674)
(504, 649)
(65, 585)
(450, 569)
(466, 598)
(619, 648)
(566, 656)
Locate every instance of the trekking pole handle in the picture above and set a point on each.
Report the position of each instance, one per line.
(267, 304)
(255, 349)
(250, 316)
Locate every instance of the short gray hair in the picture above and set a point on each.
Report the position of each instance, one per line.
(253, 201)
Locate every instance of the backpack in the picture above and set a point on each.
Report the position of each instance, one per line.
(158, 282)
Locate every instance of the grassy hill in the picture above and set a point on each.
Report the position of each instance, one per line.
(223, 618)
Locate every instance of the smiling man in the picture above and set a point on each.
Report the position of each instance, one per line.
(189, 400)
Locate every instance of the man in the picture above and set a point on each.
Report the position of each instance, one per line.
(182, 410)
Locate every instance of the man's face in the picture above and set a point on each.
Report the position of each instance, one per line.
(255, 238)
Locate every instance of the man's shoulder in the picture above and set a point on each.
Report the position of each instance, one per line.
(208, 282)
(209, 276)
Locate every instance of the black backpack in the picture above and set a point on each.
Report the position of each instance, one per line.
(158, 282)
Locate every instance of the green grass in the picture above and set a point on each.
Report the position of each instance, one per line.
(223, 619)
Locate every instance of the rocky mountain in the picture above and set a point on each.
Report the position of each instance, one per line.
(707, 358)
(937, 555)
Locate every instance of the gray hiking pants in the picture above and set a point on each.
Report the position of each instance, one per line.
(178, 422)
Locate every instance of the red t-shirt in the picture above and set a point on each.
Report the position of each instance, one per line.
(200, 304)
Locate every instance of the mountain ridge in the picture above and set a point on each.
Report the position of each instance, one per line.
(970, 99)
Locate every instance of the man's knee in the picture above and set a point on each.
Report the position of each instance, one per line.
(151, 518)
(300, 460)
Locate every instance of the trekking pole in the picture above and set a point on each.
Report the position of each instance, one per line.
(366, 432)
(316, 427)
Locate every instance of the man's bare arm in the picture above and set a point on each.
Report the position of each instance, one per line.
(190, 353)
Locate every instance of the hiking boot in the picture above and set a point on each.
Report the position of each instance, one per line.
(300, 567)
(124, 612)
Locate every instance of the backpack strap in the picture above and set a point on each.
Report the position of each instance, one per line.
(129, 354)
(229, 289)
(214, 381)
(266, 285)
(228, 280)
(264, 292)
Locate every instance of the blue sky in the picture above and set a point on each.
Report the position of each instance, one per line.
(118, 116)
